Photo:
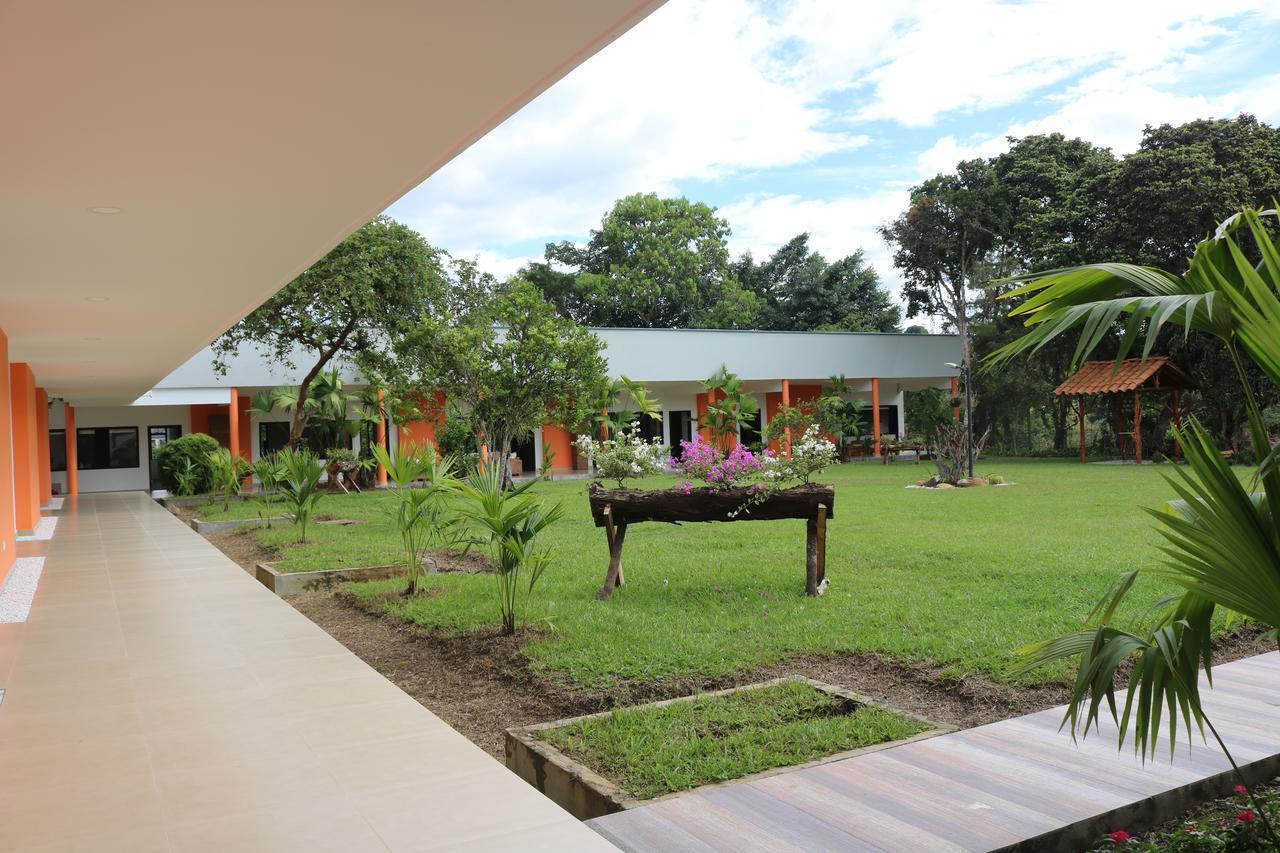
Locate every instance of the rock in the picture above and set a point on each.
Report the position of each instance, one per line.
(973, 481)
(944, 486)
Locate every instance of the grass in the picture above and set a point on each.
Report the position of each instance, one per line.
(655, 750)
(960, 578)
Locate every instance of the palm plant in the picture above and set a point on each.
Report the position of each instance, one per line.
(420, 514)
(187, 476)
(731, 406)
(508, 522)
(300, 486)
(269, 471)
(1221, 542)
(623, 402)
(226, 472)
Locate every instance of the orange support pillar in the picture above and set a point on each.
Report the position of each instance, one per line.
(786, 433)
(875, 414)
(8, 540)
(42, 446)
(233, 423)
(382, 440)
(955, 392)
(26, 459)
(73, 473)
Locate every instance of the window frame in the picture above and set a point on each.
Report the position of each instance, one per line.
(137, 449)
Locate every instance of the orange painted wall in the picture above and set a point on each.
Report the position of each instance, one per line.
(26, 458)
(416, 432)
(42, 445)
(246, 427)
(772, 400)
(200, 415)
(8, 533)
(561, 443)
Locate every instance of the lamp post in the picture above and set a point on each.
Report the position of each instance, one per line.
(968, 411)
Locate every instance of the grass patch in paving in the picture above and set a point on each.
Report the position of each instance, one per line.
(656, 750)
(959, 578)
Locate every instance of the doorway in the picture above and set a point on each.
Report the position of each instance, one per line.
(681, 430)
(157, 437)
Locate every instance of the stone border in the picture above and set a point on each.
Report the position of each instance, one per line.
(191, 500)
(586, 794)
(292, 583)
(208, 527)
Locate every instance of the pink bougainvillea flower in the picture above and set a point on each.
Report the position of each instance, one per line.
(1246, 816)
(1119, 836)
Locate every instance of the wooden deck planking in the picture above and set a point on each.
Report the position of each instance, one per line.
(1016, 784)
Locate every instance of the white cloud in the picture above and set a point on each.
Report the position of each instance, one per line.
(750, 98)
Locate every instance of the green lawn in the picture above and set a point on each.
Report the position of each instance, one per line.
(959, 578)
(655, 750)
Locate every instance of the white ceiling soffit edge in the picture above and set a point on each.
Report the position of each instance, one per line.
(166, 167)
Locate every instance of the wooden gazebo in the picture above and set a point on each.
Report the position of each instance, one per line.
(1132, 376)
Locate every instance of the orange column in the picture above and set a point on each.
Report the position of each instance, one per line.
(875, 414)
(42, 445)
(8, 535)
(786, 433)
(73, 473)
(955, 392)
(233, 423)
(382, 439)
(26, 459)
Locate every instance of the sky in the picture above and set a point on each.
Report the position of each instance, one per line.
(820, 115)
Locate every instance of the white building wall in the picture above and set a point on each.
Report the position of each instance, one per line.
(141, 417)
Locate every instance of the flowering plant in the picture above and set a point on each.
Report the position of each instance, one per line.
(811, 454)
(719, 470)
(625, 457)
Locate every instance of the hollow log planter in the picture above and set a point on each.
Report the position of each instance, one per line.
(615, 509)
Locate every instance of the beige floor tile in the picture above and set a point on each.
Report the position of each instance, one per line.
(318, 827)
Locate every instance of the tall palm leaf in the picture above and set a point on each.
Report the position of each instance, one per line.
(1221, 544)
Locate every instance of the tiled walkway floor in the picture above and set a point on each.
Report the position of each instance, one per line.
(159, 698)
(1016, 784)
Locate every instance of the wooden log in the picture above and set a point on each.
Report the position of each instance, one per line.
(811, 557)
(613, 577)
(822, 546)
(632, 506)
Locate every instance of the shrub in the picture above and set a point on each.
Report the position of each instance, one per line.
(269, 471)
(173, 457)
(719, 470)
(457, 439)
(225, 472)
(625, 457)
(809, 455)
(420, 514)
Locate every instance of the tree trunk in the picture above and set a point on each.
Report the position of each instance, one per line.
(504, 460)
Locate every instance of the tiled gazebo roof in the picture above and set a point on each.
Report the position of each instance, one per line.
(1133, 374)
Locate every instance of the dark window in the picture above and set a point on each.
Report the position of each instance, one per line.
(651, 428)
(106, 447)
(888, 420)
(57, 450)
(749, 431)
(318, 437)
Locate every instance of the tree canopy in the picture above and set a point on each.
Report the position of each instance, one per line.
(510, 362)
(373, 286)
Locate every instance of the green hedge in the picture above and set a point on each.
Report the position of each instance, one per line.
(195, 446)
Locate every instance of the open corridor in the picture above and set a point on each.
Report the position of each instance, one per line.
(158, 698)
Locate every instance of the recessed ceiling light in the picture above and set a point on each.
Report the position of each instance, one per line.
(104, 210)
(97, 298)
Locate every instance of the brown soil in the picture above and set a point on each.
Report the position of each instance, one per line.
(243, 547)
(482, 684)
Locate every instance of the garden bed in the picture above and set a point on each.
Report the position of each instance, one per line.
(602, 763)
(286, 582)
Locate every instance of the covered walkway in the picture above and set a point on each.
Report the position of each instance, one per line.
(158, 698)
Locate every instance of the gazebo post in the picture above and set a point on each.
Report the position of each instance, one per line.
(1177, 422)
(1083, 451)
(1137, 426)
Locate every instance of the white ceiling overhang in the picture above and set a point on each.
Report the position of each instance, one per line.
(240, 142)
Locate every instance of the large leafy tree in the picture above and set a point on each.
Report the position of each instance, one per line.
(654, 262)
(944, 242)
(1221, 543)
(510, 362)
(372, 287)
(800, 290)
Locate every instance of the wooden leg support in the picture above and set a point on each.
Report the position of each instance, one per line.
(613, 578)
(816, 554)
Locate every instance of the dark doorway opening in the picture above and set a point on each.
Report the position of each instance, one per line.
(523, 449)
(681, 430)
(749, 432)
(157, 437)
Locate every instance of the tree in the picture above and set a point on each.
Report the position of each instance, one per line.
(1221, 544)
(374, 285)
(943, 242)
(511, 362)
(799, 291)
(654, 262)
